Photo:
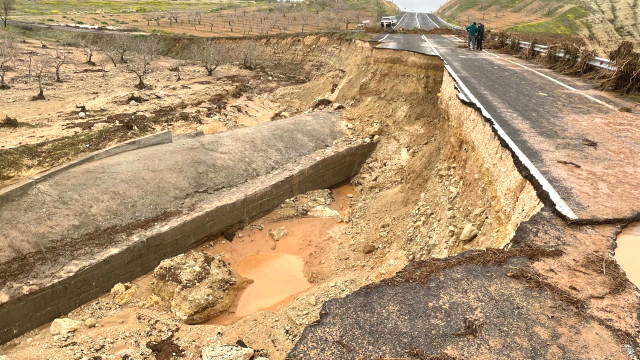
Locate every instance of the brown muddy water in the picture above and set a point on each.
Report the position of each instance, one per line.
(628, 252)
(279, 270)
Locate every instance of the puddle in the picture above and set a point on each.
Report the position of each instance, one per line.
(628, 252)
(277, 278)
(280, 269)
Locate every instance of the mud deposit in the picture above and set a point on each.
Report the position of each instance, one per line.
(439, 221)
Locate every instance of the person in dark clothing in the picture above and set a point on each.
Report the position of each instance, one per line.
(473, 31)
(480, 37)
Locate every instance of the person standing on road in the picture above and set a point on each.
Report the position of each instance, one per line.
(480, 37)
(473, 31)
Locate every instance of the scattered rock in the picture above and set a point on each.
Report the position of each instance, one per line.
(338, 106)
(323, 211)
(368, 248)
(278, 233)
(197, 285)
(404, 155)
(477, 212)
(469, 233)
(90, 322)
(123, 293)
(133, 103)
(376, 130)
(321, 103)
(226, 352)
(152, 301)
(64, 326)
(285, 115)
(82, 115)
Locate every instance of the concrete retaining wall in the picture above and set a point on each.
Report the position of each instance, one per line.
(144, 252)
(11, 192)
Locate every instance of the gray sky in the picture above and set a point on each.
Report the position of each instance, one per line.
(419, 5)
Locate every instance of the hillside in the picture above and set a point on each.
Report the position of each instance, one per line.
(602, 24)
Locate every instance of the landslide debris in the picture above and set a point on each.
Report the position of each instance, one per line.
(196, 285)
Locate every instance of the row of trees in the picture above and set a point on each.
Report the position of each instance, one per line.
(136, 54)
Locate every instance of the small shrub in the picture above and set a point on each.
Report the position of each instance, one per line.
(9, 123)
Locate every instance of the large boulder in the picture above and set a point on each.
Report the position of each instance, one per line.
(64, 326)
(197, 285)
(123, 293)
(227, 352)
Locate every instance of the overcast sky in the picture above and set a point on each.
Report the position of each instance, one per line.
(419, 5)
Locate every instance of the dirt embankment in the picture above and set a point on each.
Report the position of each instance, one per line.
(438, 184)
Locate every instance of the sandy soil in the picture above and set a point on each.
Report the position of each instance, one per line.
(181, 106)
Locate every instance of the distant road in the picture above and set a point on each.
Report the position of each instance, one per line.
(419, 21)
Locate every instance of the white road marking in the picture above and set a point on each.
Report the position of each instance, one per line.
(561, 205)
(417, 21)
(556, 81)
(434, 24)
(398, 24)
(384, 38)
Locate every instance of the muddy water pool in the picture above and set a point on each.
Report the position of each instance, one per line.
(628, 252)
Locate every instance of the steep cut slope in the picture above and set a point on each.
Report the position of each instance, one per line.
(602, 24)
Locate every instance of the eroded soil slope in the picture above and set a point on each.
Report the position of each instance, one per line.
(439, 184)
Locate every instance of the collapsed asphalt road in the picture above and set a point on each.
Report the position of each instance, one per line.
(554, 121)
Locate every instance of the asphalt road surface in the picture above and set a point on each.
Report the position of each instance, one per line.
(418, 21)
(570, 136)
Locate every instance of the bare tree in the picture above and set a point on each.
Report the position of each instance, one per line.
(5, 7)
(157, 17)
(148, 18)
(108, 45)
(87, 44)
(41, 64)
(146, 50)
(123, 44)
(209, 54)
(247, 53)
(172, 15)
(59, 60)
(195, 16)
(7, 54)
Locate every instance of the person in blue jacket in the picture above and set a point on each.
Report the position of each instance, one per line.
(473, 31)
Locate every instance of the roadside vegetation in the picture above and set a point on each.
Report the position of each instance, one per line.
(565, 23)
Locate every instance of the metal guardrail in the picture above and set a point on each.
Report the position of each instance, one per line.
(597, 61)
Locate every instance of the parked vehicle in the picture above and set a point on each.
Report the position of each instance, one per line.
(394, 20)
(386, 22)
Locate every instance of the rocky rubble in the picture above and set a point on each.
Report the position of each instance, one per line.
(233, 352)
(196, 285)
